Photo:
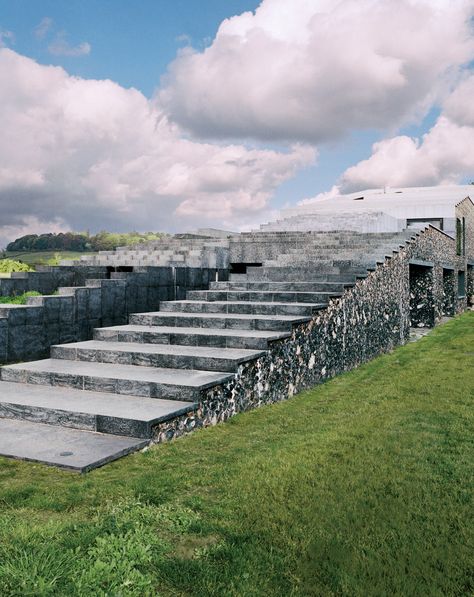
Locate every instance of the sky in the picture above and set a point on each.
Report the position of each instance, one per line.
(158, 115)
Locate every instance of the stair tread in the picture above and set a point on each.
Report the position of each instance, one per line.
(72, 449)
(95, 403)
(187, 377)
(270, 292)
(248, 303)
(199, 331)
(167, 349)
(242, 316)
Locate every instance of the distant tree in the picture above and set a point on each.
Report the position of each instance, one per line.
(80, 241)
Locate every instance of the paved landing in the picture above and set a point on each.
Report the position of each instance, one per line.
(71, 449)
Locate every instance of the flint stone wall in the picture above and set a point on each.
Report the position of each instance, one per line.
(371, 318)
(28, 331)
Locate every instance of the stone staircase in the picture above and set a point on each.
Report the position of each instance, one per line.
(177, 251)
(97, 400)
(358, 221)
(131, 378)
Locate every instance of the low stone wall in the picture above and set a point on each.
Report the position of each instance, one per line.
(28, 331)
(369, 319)
(48, 279)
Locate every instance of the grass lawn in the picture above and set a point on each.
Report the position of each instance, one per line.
(362, 486)
(42, 257)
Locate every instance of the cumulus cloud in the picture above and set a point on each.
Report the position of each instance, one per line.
(30, 225)
(92, 154)
(61, 47)
(43, 28)
(444, 154)
(311, 70)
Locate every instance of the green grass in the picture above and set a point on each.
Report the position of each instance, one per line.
(362, 486)
(21, 299)
(43, 257)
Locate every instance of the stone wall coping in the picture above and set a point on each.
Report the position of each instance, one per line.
(441, 231)
(467, 198)
(421, 263)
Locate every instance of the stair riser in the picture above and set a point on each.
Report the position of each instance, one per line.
(278, 286)
(241, 309)
(278, 297)
(284, 274)
(221, 323)
(182, 339)
(103, 384)
(144, 359)
(72, 420)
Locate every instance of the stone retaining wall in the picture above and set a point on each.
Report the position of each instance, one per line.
(369, 319)
(48, 279)
(28, 331)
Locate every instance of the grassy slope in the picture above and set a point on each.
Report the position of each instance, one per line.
(42, 257)
(362, 486)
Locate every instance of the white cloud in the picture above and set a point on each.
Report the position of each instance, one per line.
(93, 154)
(60, 47)
(43, 28)
(459, 107)
(311, 70)
(443, 155)
(30, 225)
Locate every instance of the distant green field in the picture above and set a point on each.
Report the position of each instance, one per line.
(41, 257)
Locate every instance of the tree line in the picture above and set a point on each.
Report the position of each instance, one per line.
(80, 241)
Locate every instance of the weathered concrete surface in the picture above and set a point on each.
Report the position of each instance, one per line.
(71, 449)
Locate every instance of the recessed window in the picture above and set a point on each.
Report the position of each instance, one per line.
(461, 284)
(422, 222)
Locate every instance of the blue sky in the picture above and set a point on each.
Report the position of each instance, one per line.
(239, 120)
(133, 43)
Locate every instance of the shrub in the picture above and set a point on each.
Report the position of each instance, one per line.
(7, 266)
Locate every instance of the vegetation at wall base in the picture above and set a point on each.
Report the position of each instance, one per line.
(21, 299)
(361, 486)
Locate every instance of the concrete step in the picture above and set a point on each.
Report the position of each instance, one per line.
(172, 384)
(265, 296)
(297, 273)
(316, 266)
(71, 449)
(156, 355)
(218, 320)
(90, 411)
(249, 339)
(300, 272)
(257, 308)
(280, 286)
